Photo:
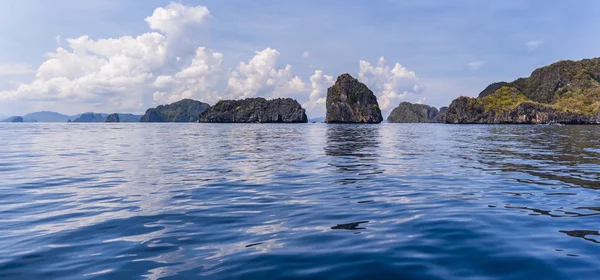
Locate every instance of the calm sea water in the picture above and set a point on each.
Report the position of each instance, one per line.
(389, 201)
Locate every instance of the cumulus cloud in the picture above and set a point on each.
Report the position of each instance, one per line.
(201, 76)
(175, 18)
(389, 84)
(533, 45)
(262, 76)
(316, 100)
(15, 69)
(475, 65)
(127, 72)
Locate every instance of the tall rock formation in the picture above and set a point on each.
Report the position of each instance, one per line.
(255, 110)
(350, 101)
(186, 110)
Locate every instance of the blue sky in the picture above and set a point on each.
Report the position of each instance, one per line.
(453, 48)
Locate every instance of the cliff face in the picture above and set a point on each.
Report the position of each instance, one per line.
(90, 117)
(350, 101)
(255, 110)
(413, 113)
(564, 92)
(186, 110)
(113, 118)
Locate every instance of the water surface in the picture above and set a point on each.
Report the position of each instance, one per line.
(389, 201)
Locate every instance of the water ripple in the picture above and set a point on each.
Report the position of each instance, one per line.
(166, 201)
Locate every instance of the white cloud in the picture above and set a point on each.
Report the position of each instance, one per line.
(533, 45)
(15, 69)
(316, 100)
(58, 40)
(175, 18)
(475, 65)
(122, 73)
(389, 84)
(305, 54)
(200, 77)
(262, 76)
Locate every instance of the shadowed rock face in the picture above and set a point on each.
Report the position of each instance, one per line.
(350, 101)
(186, 110)
(255, 110)
(413, 113)
(113, 118)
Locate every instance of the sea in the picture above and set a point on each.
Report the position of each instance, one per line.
(299, 201)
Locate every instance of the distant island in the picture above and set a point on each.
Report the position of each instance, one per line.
(186, 110)
(565, 92)
(255, 110)
(416, 113)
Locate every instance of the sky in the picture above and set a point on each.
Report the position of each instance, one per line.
(74, 56)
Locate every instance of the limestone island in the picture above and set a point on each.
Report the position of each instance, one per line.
(566, 92)
(407, 112)
(186, 110)
(255, 110)
(350, 101)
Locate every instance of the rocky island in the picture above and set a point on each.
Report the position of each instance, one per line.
(15, 119)
(255, 110)
(564, 92)
(90, 117)
(112, 118)
(407, 112)
(186, 110)
(350, 101)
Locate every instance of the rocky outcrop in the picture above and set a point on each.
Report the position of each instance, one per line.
(255, 110)
(90, 117)
(407, 112)
(564, 92)
(113, 118)
(350, 101)
(468, 111)
(15, 119)
(186, 110)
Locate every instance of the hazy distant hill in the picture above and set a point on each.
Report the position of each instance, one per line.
(46, 116)
(129, 117)
(317, 120)
(15, 119)
(90, 117)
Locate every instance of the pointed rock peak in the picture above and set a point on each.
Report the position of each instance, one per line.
(350, 101)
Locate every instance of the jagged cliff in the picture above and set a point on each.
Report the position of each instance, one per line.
(563, 92)
(350, 101)
(255, 110)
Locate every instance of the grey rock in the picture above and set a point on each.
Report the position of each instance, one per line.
(407, 112)
(350, 101)
(186, 110)
(255, 110)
